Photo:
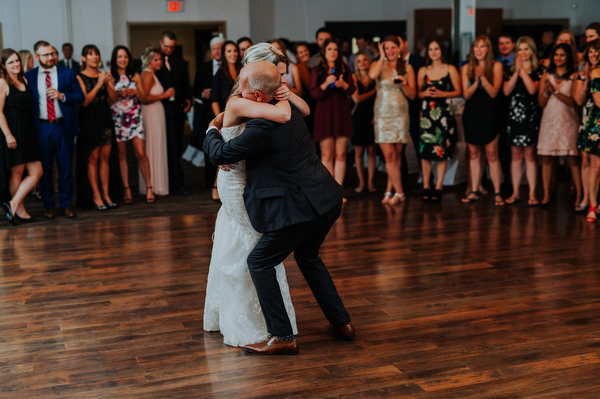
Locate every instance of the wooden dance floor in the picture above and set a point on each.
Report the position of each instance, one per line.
(449, 301)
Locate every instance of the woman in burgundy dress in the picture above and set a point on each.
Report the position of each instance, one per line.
(330, 84)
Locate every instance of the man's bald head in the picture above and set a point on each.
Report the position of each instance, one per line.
(260, 77)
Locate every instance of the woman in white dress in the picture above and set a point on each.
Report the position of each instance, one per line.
(231, 305)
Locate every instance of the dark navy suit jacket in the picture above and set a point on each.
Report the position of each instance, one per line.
(286, 183)
(67, 85)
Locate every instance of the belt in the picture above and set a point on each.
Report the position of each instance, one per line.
(57, 120)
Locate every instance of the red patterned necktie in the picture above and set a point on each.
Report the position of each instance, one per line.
(49, 102)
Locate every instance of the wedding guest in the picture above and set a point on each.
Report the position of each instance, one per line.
(229, 68)
(243, 44)
(97, 127)
(321, 36)
(126, 111)
(521, 82)
(362, 42)
(395, 87)
(438, 83)
(331, 82)
(203, 112)
(303, 56)
(26, 60)
(19, 145)
(362, 118)
(174, 74)
(566, 37)
(154, 122)
(292, 76)
(585, 92)
(506, 48)
(481, 81)
(592, 32)
(560, 122)
(57, 93)
(68, 62)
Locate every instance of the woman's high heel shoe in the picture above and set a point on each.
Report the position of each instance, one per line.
(398, 198)
(100, 208)
(387, 196)
(110, 205)
(591, 216)
(127, 198)
(149, 200)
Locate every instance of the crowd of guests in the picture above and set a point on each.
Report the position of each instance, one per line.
(546, 104)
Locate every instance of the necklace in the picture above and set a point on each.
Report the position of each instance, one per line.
(561, 77)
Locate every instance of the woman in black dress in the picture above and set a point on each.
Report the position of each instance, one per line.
(19, 145)
(438, 83)
(362, 116)
(521, 83)
(481, 81)
(97, 127)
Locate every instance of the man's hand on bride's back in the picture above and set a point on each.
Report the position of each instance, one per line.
(217, 122)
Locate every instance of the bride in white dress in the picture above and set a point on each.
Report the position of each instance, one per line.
(231, 304)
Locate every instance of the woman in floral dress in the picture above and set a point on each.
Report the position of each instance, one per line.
(587, 91)
(127, 115)
(521, 83)
(438, 83)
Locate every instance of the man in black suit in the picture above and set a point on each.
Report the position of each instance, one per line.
(414, 109)
(68, 62)
(174, 73)
(203, 112)
(292, 200)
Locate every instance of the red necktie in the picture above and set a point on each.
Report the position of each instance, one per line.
(49, 102)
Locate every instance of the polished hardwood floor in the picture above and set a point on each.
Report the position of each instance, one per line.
(449, 301)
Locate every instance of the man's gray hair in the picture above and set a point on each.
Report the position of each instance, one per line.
(265, 79)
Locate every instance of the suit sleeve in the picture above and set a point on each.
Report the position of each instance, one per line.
(73, 93)
(254, 141)
(185, 81)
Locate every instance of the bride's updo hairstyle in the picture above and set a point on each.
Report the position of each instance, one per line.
(148, 55)
(260, 52)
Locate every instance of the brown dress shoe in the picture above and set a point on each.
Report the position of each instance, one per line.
(274, 346)
(49, 214)
(347, 332)
(69, 213)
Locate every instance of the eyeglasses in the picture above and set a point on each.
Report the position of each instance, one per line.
(48, 55)
(169, 47)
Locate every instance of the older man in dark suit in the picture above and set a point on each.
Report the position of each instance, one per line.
(292, 200)
(57, 93)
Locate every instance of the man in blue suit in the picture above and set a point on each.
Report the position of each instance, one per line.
(58, 92)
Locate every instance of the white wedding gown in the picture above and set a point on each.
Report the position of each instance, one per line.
(231, 305)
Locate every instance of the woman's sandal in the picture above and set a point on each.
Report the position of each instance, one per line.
(512, 200)
(581, 208)
(499, 203)
(473, 196)
(149, 200)
(398, 198)
(436, 195)
(426, 194)
(533, 202)
(591, 216)
(372, 188)
(359, 189)
(127, 199)
(387, 196)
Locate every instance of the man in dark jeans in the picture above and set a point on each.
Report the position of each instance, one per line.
(174, 73)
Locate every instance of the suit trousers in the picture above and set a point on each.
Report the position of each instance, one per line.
(175, 126)
(304, 239)
(55, 143)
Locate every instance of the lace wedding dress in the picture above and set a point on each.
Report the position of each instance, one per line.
(231, 305)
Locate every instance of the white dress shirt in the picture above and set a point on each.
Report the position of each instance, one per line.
(42, 92)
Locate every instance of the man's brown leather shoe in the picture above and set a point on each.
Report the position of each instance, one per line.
(347, 332)
(49, 214)
(69, 213)
(274, 346)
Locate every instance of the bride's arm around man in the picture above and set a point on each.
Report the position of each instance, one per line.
(292, 199)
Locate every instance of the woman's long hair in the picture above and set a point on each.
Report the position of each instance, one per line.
(259, 52)
(88, 49)
(148, 55)
(442, 47)
(594, 44)
(114, 70)
(357, 71)
(570, 61)
(532, 50)
(339, 67)
(6, 54)
(223, 66)
(488, 70)
(400, 64)
(572, 41)
(25, 57)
